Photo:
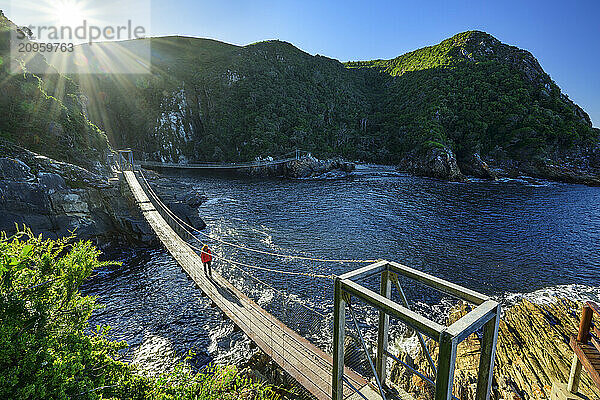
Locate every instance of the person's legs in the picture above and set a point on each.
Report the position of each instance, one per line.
(204, 266)
(209, 268)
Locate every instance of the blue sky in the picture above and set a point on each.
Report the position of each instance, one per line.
(563, 35)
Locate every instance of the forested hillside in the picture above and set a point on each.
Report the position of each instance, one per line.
(208, 100)
(45, 112)
(472, 94)
(443, 110)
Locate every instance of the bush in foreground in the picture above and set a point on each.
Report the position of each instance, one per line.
(45, 352)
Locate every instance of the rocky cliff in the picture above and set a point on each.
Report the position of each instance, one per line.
(532, 353)
(56, 199)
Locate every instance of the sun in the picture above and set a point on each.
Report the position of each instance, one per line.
(69, 13)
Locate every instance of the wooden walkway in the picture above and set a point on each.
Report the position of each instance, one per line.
(303, 361)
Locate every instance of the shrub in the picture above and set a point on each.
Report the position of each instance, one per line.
(45, 352)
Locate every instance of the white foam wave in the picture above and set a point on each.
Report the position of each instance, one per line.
(218, 200)
(551, 294)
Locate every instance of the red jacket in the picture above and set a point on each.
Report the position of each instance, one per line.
(205, 256)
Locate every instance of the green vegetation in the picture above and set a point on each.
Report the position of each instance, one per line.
(45, 113)
(44, 352)
(211, 101)
(473, 94)
(208, 100)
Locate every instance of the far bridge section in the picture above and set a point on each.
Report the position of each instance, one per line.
(328, 376)
(222, 167)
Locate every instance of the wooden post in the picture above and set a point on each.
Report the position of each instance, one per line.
(487, 357)
(339, 327)
(383, 330)
(582, 337)
(573, 385)
(445, 371)
(584, 324)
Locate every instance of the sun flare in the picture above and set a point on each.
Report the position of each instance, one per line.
(69, 13)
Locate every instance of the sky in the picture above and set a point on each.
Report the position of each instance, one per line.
(563, 35)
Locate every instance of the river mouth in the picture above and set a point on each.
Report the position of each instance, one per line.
(500, 238)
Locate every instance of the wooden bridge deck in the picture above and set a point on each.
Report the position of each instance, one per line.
(306, 363)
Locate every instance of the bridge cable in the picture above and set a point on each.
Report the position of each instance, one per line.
(180, 222)
(235, 264)
(251, 249)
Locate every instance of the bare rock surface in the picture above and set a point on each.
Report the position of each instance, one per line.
(56, 199)
(533, 352)
(436, 162)
(306, 167)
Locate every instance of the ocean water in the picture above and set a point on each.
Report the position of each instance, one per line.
(509, 239)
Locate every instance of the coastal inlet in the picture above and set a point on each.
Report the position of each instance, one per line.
(501, 238)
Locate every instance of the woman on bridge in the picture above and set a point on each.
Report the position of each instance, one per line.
(206, 258)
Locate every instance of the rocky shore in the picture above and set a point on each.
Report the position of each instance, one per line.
(56, 199)
(582, 166)
(305, 167)
(532, 353)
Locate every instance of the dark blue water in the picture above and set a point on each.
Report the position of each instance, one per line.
(511, 236)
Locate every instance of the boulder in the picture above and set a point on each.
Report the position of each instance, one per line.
(69, 203)
(435, 162)
(195, 199)
(475, 166)
(187, 213)
(15, 170)
(25, 197)
(51, 182)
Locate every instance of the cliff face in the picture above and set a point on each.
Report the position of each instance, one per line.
(532, 353)
(55, 198)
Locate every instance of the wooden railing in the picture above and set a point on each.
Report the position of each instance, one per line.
(586, 347)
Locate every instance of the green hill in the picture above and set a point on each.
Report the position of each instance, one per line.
(45, 112)
(441, 110)
(472, 94)
(208, 100)
(466, 97)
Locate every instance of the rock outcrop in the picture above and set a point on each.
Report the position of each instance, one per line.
(475, 166)
(578, 166)
(436, 162)
(306, 167)
(532, 354)
(56, 199)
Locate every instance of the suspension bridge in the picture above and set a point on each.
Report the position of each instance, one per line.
(260, 163)
(327, 373)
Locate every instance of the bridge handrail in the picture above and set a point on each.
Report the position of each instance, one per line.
(235, 264)
(183, 226)
(249, 164)
(486, 315)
